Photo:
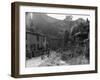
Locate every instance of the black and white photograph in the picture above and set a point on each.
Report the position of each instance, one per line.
(57, 39)
(52, 39)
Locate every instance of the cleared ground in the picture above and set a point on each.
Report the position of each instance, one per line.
(55, 59)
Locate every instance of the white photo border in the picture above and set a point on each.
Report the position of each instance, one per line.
(70, 68)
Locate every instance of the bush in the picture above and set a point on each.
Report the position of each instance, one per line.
(66, 55)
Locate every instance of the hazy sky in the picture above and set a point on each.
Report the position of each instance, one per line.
(62, 17)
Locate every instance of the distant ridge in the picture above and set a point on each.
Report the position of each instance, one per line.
(50, 26)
